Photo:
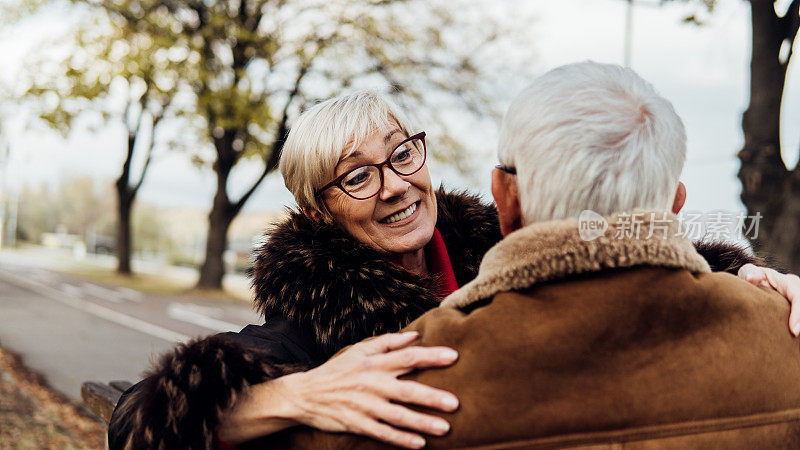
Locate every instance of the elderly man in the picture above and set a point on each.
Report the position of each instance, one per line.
(594, 323)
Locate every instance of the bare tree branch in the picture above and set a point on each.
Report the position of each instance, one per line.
(271, 163)
(156, 119)
(790, 23)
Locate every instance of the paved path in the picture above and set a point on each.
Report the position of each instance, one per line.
(71, 331)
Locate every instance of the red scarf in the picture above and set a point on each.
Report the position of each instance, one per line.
(439, 265)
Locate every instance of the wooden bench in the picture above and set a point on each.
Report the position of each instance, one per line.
(101, 398)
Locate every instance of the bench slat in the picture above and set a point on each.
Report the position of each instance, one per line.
(100, 398)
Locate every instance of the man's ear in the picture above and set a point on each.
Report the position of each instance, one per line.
(680, 198)
(506, 196)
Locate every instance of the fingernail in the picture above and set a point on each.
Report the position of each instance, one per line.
(440, 426)
(796, 329)
(449, 354)
(450, 403)
(418, 442)
(411, 333)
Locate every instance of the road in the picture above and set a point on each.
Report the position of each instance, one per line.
(70, 330)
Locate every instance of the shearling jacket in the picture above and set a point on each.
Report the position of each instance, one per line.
(621, 342)
(320, 290)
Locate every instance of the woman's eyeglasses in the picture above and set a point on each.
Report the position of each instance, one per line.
(366, 181)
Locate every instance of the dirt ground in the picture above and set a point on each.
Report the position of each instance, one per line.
(33, 417)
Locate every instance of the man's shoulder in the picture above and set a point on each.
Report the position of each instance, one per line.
(630, 304)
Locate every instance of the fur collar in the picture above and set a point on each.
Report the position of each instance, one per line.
(322, 279)
(554, 250)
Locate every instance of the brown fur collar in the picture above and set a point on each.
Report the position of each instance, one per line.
(322, 279)
(554, 250)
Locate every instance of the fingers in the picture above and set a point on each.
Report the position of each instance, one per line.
(754, 275)
(778, 281)
(403, 417)
(749, 272)
(794, 318)
(391, 435)
(387, 342)
(414, 393)
(787, 285)
(409, 358)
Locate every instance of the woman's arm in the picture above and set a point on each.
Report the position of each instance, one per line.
(177, 404)
(353, 392)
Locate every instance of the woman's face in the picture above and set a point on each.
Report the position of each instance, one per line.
(371, 220)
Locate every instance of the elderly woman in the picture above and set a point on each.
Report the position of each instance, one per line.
(372, 247)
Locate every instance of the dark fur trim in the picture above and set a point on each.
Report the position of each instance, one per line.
(177, 405)
(321, 278)
(726, 257)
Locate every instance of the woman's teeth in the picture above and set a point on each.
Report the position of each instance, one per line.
(401, 215)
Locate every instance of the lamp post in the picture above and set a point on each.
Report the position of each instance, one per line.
(628, 34)
(4, 153)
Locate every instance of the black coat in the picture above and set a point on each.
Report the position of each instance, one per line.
(319, 290)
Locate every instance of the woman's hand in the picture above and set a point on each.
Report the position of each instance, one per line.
(787, 285)
(356, 391)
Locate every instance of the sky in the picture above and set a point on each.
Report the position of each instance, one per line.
(703, 71)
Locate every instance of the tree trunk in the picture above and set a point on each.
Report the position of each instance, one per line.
(124, 206)
(768, 188)
(213, 268)
(125, 197)
(220, 217)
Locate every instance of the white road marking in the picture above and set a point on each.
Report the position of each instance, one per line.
(95, 309)
(41, 275)
(102, 293)
(197, 315)
(130, 294)
(72, 291)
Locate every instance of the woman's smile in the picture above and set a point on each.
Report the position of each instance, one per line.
(402, 217)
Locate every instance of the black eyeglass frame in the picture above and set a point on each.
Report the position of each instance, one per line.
(507, 169)
(338, 180)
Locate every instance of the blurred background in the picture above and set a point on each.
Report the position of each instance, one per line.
(139, 139)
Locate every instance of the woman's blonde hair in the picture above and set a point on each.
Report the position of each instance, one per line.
(328, 132)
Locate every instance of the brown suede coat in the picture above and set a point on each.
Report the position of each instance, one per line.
(612, 343)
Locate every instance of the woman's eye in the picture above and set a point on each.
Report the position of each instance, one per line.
(402, 155)
(356, 178)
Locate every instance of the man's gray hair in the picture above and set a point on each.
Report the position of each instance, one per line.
(592, 136)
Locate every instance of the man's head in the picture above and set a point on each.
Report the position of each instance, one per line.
(588, 136)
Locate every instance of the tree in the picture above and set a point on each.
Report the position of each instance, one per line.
(769, 188)
(129, 77)
(76, 206)
(253, 65)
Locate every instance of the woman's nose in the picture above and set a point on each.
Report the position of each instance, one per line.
(393, 184)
